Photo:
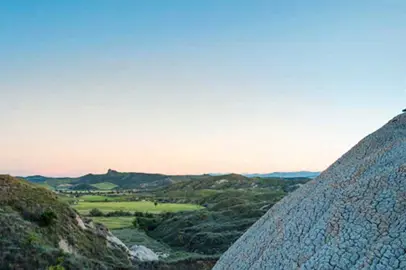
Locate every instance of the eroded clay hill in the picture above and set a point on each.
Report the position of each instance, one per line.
(353, 216)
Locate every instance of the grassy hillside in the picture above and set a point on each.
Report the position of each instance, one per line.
(232, 203)
(39, 231)
(83, 187)
(105, 185)
(111, 180)
(234, 181)
(212, 230)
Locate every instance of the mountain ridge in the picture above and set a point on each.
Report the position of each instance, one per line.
(131, 180)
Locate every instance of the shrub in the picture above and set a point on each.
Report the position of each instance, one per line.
(32, 239)
(95, 212)
(167, 215)
(138, 214)
(31, 216)
(119, 213)
(148, 215)
(135, 223)
(47, 218)
(58, 266)
(148, 224)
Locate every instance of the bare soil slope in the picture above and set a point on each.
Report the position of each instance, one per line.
(353, 216)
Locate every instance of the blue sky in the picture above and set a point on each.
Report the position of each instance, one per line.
(195, 86)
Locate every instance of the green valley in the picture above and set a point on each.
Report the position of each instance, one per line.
(191, 217)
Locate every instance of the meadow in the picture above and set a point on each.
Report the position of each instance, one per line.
(104, 185)
(137, 206)
(115, 222)
(98, 198)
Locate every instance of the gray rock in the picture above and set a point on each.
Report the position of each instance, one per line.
(143, 254)
(353, 216)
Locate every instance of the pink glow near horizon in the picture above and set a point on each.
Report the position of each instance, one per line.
(196, 88)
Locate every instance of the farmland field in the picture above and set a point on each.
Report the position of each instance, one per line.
(114, 222)
(95, 198)
(105, 185)
(85, 207)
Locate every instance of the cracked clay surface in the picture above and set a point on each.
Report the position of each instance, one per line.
(353, 216)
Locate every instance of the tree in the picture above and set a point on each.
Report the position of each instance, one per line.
(135, 223)
(47, 218)
(95, 212)
(155, 203)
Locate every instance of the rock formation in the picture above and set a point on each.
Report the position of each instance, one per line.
(353, 216)
(143, 254)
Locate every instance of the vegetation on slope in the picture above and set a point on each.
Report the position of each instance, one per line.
(105, 185)
(39, 231)
(229, 210)
(112, 179)
(83, 187)
(212, 230)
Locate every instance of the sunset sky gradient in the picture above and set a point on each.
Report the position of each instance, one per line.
(195, 86)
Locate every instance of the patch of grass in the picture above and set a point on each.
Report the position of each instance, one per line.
(95, 198)
(85, 207)
(105, 185)
(66, 199)
(114, 222)
(102, 198)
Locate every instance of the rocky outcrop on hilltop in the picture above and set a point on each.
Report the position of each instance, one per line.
(353, 216)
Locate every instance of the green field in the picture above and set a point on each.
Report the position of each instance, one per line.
(85, 207)
(101, 198)
(115, 222)
(105, 185)
(95, 198)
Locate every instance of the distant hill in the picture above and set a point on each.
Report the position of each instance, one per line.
(109, 180)
(133, 180)
(83, 187)
(305, 174)
(35, 178)
(235, 181)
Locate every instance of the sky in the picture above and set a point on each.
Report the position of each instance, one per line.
(187, 87)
